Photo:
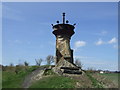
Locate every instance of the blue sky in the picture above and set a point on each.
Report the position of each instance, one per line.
(27, 32)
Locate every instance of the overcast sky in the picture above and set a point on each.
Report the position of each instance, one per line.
(27, 32)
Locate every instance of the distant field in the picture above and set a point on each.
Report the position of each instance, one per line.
(112, 76)
(107, 80)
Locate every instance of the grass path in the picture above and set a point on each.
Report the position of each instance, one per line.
(33, 76)
(95, 82)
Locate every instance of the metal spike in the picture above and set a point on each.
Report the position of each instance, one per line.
(74, 24)
(52, 24)
(57, 21)
(67, 21)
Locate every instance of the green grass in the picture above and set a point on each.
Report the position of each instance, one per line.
(12, 80)
(112, 76)
(50, 80)
(54, 82)
(95, 83)
(49, 72)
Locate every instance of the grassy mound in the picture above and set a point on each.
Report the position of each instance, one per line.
(54, 82)
(13, 79)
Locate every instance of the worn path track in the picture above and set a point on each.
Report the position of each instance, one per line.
(32, 77)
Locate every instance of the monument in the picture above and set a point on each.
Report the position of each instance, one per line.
(64, 54)
(63, 33)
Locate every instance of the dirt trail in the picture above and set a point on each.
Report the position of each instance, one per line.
(32, 77)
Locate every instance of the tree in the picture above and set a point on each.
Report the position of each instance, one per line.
(91, 69)
(38, 61)
(11, 65)
(78, 63)
(50, 59)
(26, 63)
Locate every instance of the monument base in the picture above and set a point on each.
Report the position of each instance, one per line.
(64, 67)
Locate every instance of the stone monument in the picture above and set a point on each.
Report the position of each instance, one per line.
(64, 54)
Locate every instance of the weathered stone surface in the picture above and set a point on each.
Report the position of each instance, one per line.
(71, 68)
(64, 66)
(63, 48)
(64, 54)
(69, 71)
(63, 33)
(64, 63)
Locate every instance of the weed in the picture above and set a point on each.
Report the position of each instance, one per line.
(95, 82)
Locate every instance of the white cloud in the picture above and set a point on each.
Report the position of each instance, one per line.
(99, 42)
(113, 40)
(80, 44)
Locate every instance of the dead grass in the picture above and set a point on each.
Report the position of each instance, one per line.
(82, 81)
(106, 82)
